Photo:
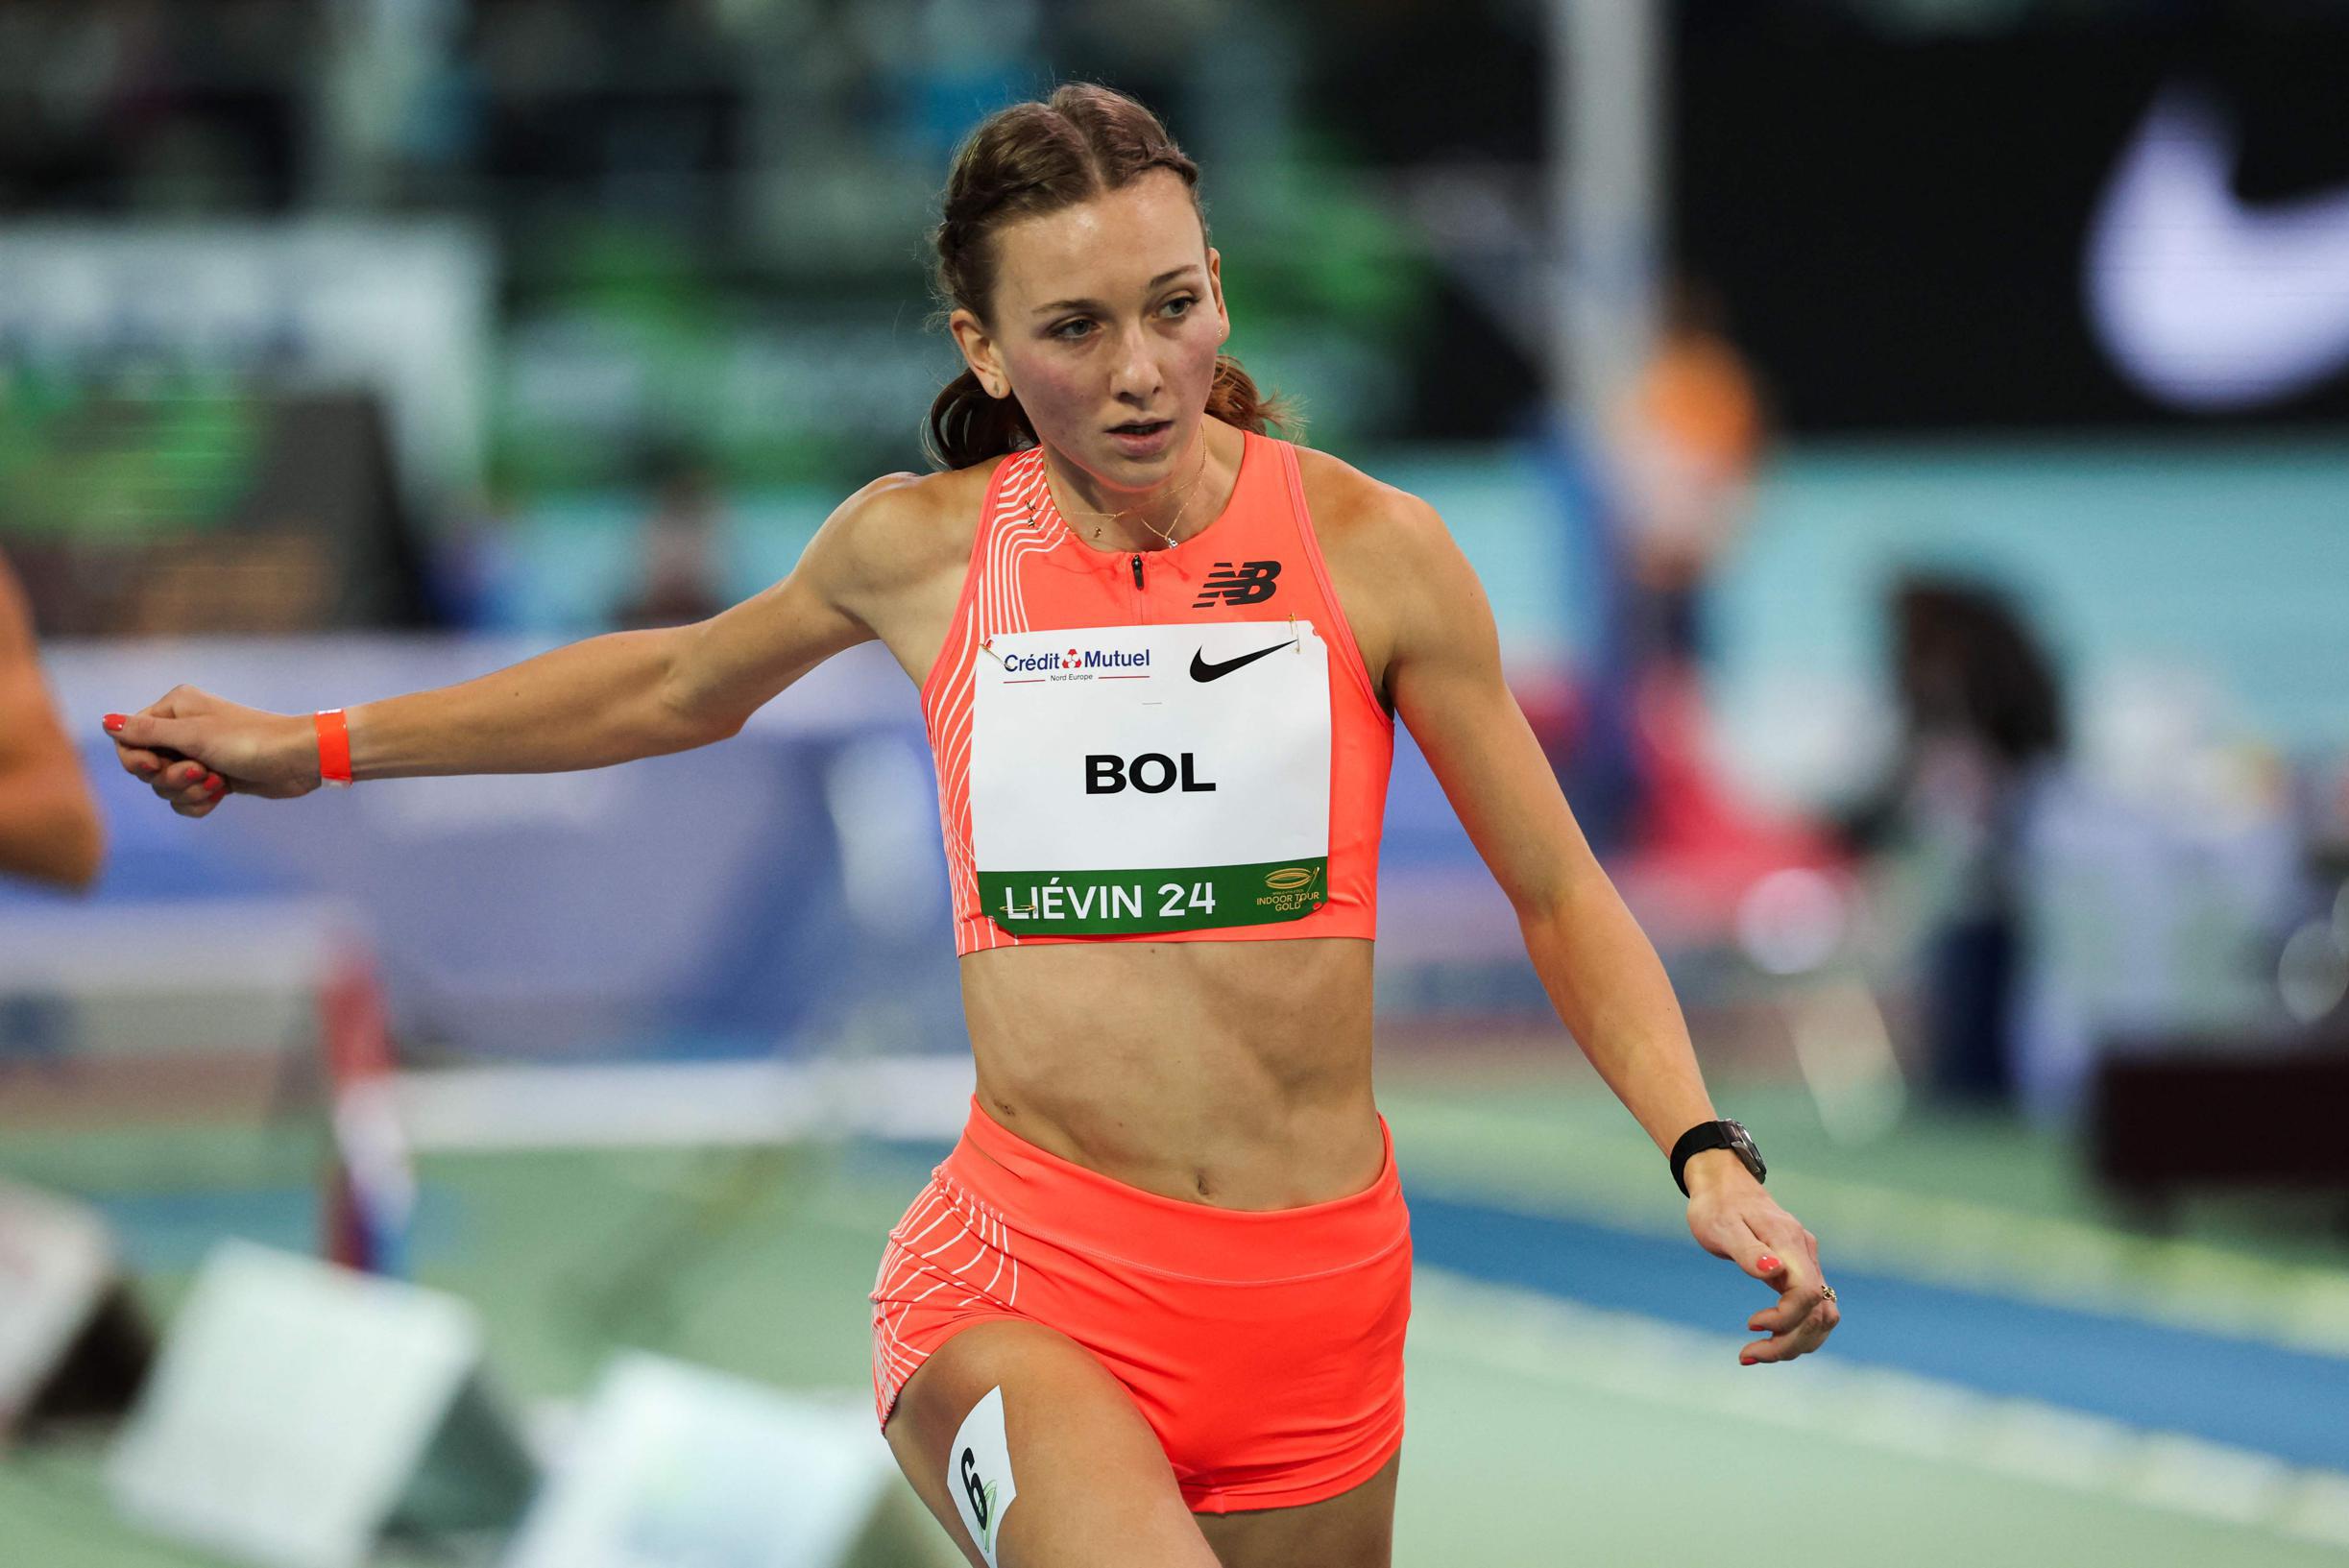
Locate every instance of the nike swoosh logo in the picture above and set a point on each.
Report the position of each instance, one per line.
(1202, 670)
(2204, 303)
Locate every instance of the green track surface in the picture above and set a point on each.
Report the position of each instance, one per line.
(758, 1263)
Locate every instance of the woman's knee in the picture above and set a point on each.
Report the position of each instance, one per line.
(1032, 1456)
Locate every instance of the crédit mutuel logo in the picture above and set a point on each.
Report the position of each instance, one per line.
(1078, 663)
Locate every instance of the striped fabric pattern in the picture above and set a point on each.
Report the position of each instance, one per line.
(951, 1252)
(1010, 529)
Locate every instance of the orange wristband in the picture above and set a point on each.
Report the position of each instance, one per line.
(333, 747)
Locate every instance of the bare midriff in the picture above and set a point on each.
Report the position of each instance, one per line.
(1231, 1074)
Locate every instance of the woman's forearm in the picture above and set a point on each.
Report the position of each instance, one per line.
(590, 704)
(1611, 991)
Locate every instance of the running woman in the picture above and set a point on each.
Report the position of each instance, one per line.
(1150, 1309)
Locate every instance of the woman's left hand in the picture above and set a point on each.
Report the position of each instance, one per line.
(1731, 1217)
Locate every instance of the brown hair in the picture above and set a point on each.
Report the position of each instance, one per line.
(1022, 163)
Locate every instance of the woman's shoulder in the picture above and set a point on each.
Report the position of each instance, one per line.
(917, 502)
(906, 525)
(1353, 510)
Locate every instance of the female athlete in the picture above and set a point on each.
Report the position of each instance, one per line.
(1150, 1309)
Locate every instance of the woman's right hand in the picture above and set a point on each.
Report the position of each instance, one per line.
(194, 750)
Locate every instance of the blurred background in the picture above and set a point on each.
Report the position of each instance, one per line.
(1907, 445)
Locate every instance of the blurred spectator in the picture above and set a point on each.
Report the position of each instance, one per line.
(681, 579)
(1686, 449)
(1982, 717)
(48, 820)
(1683, 451)
(474, 571)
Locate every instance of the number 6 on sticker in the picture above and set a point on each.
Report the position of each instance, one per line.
(979, 1473)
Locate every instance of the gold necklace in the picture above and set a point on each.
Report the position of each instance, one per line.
(1166, 536)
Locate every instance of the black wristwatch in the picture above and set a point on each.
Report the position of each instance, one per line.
(1704, 1135)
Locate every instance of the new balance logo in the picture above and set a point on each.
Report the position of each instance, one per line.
(1248, 582)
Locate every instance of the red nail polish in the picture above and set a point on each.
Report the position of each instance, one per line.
(114, 722)
(1747, 1360)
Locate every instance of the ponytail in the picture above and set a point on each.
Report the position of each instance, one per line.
(967, 427)
(1234, 400)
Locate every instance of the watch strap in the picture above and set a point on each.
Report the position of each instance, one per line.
(1704, 1135)
(1695, 1141)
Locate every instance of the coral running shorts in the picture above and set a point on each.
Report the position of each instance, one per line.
(1264, 1349)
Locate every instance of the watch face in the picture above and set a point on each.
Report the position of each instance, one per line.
(1742, 1142)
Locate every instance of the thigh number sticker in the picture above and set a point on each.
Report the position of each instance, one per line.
(979, 1473)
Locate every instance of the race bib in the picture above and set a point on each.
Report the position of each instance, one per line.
(1151, 777)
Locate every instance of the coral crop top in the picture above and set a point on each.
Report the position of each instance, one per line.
(1171, 745)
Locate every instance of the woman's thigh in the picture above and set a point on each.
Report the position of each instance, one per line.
(1353, 1530)
(1073, 1476)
